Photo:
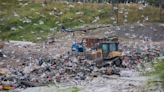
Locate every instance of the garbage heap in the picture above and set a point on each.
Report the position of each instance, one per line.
(139, 52)
(68, 68)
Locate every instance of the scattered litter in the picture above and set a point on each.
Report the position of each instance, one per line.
(29, 64)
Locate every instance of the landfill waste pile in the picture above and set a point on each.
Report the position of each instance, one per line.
(27, 64)
(33, 70)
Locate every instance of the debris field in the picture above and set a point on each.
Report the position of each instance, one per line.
(27, 64)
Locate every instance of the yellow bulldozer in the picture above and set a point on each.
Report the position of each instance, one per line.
(103, 51)
(106, 53)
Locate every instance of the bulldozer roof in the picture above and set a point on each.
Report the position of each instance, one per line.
(109, 42)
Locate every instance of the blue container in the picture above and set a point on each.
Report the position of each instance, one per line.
(161, 54)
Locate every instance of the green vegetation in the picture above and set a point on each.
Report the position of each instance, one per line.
(75, 89)
(159, 70)
(34, 21)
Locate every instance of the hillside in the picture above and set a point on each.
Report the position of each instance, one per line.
(35, 21)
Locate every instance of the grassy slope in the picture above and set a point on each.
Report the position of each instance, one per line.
(157, 74)
(13, 27)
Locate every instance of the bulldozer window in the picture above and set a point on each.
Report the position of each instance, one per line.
(113, 47)
(105, 48)
(109, 47)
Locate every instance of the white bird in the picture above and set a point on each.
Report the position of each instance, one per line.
(96, 19)
(41, 22)
(112, 18)
(71, 6)
(15, 14)
(146, 18)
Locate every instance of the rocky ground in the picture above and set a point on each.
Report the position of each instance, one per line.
(26, 64)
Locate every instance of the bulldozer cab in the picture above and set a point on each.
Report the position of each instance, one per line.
(108, 48)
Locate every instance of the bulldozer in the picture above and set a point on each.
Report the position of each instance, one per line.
(104, 52)
(108, 54)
